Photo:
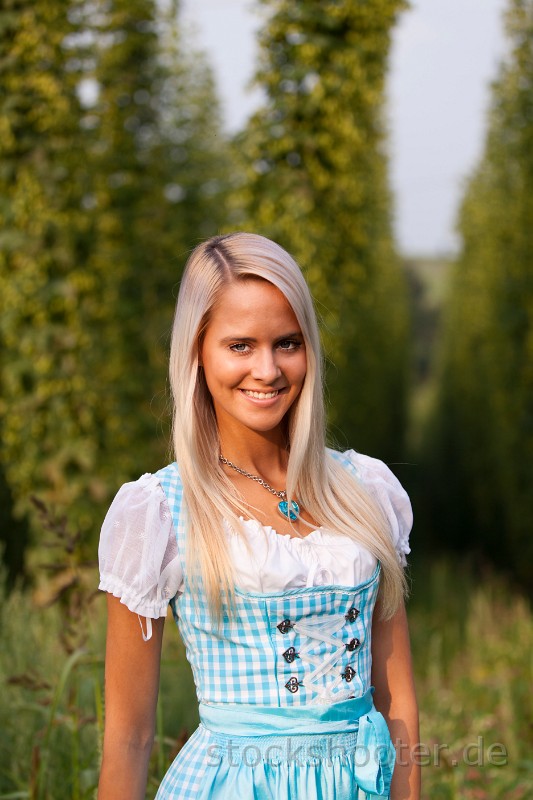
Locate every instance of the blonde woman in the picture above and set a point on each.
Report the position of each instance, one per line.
(282, 561)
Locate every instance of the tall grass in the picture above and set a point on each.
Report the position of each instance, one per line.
(472, 645)
(48, 707)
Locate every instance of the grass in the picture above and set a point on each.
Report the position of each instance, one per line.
(472, 646)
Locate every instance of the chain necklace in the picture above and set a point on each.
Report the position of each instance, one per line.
(291, 512)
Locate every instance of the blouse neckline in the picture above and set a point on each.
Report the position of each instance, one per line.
(316, 534)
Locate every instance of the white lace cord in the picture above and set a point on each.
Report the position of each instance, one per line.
(321, 630)
(148, 635)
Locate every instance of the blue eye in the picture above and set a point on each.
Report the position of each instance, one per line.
(239, 347)
(289, 344)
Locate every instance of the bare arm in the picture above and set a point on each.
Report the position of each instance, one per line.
(392, 676)
(131, 688)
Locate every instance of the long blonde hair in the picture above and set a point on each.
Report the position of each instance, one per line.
(328, 492)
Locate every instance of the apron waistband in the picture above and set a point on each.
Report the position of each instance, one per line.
(239, 719)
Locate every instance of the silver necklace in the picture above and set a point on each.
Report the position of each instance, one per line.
(292, 513)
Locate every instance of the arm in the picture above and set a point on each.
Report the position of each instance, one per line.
(392, 676)
(131, 688)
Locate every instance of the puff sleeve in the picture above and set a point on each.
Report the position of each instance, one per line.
(138, 554)
(387, 490)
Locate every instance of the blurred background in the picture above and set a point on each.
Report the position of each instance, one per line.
(389, 148)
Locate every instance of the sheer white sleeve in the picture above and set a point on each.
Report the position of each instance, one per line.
(138, 553)
(385, 487)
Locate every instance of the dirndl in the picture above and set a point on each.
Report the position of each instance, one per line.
(340, 751)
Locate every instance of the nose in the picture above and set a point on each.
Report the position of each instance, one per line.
(265, 367)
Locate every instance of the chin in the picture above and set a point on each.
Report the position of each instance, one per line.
(271, 425)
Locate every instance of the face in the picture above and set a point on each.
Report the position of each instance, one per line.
(253, 356)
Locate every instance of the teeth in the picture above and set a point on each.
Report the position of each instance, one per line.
(260, 395)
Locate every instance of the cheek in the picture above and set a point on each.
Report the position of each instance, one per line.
(225, 372)
(300, 370)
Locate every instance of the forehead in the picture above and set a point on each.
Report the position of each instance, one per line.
(253, 302)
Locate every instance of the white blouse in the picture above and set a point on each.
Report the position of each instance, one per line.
(139, 561)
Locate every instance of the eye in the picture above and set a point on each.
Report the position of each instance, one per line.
(289, 344)
(239, 347)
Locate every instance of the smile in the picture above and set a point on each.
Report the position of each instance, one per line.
(260, 395)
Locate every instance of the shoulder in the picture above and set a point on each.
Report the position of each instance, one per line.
(383, 485)
(137, 552)
(148, 490)
(169, 477)
(139, 513)
(369, 470)
(144, 490)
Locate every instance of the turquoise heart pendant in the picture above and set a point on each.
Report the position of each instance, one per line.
(291, 513)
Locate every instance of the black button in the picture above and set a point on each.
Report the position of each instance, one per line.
(348, 674)
(352, 614)
(285, 626)
(292, 684)
(351, 645)
(290, 654)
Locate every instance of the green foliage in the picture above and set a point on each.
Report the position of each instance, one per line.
(315, 180)
(14, 534)
(44, 414)
(427, 279)
(100, 200)
(484, 428)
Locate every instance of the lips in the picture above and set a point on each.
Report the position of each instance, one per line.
(261, 395)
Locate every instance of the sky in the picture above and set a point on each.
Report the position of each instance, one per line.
(444, 55)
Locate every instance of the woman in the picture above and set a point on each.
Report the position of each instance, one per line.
(271, 549)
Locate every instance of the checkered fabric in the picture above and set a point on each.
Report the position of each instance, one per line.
(305, 645)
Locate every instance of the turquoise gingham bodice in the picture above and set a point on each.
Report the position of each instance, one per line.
(298, 647)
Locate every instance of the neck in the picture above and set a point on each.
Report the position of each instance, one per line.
(256, 452)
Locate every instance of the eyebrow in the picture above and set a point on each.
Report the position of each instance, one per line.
(228, 339)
